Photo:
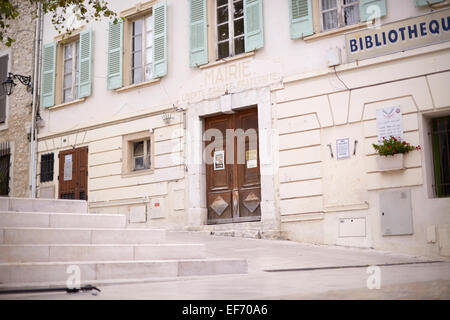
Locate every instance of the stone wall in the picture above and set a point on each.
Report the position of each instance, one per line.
(18, 107)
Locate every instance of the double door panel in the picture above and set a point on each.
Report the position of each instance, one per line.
(233, 177)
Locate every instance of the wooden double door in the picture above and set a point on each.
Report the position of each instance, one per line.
(73, 171)
(233, 173)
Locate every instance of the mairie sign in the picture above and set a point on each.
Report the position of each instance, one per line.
(399, 36)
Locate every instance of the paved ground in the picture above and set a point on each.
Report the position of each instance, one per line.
(288, 270)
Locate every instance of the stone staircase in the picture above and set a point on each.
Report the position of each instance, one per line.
(40, 239)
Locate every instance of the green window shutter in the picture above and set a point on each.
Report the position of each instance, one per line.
(253, 25)
(372, 9)
(300, 14)
(85, 64)
(115, 55)
(198, 54)
(420, 3)
(48, 75)
(160, 39)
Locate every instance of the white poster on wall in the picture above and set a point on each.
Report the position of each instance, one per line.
(343, 148)
(389, 123)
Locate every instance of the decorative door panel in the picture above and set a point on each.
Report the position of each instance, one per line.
(233, 175)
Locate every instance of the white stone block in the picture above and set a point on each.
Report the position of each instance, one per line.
(127, 236)
(170, 251)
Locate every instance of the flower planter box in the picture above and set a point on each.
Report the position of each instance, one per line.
(390, 163)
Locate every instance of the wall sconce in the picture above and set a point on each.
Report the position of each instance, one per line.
(167, 117)
(9, 84)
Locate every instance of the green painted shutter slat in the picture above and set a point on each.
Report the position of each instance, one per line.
(253, 25)
(372, 9)
(159, 39)
(85, 64)
(198, 33)
(301, 21)
(420, 3)
(48, 75)
(115, 55)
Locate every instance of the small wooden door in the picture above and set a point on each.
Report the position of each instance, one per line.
(233, 182)
(73, 174)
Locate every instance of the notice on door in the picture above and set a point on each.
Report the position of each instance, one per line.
(389, 123)
(251, 156)
(219, 160)
(68, 167)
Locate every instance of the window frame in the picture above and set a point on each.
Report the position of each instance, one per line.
(139, 11)
(144, 34)
(340, 14)
(146, 154)
(231, 33)
(128, 141)
(75, 72)
(61, 41)
(50, 167)
(438, 178)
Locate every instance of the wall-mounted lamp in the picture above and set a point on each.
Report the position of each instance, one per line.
(9, 84)
(167, 117)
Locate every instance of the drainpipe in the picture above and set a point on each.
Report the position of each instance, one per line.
(36, 76)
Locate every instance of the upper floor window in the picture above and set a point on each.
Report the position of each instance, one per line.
(71, 72)
(230, 28)
(137, 46)
(66, 68)
(339, 13)
(141, 53)
(224, 28)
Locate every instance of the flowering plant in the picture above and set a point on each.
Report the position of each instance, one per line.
(393, 146)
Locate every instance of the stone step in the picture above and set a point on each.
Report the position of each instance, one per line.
(80, 236)
(61, 220)
(42, 205)
(14, 273)
(109, 252)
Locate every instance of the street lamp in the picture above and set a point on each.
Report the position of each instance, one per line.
(9, 84)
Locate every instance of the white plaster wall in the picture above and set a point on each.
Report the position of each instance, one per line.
(306, 110)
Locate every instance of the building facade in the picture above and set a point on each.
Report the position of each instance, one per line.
(16, 109)
(255, 118)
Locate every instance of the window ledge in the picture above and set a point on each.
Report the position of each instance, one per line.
(338, 31)
(66, 104)
(441, 5)
(137, 173)
(138, 85)
(222, 61)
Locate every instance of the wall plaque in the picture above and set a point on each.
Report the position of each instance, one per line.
(389, 123)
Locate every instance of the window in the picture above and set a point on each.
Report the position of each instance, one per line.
(230, 28)
(141, 155)
(441, 155)
(137, 46)
(3, 76)
(71, 73)
(137, 153)
(141, 53)
(47, 163)
(220, 29)
(66, 68)
(339, 13)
